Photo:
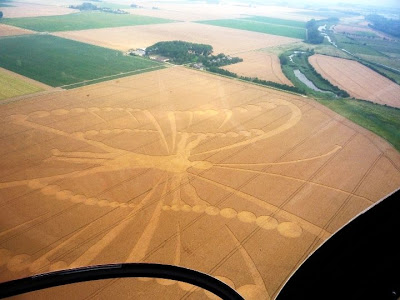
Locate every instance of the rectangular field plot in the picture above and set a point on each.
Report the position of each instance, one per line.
(59, 62)
(11, 86)
(80, 21)
(261, 24)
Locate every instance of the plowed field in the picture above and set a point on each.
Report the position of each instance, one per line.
(259, 64)
(358, 80)
(180, 167)
(223, 40)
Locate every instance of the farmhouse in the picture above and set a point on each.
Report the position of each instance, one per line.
(137, 52)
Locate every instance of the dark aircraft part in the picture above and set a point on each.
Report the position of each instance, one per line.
(360, 261)
(52, 279)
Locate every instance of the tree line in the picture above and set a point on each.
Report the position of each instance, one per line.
(314, 36)
(389, 26)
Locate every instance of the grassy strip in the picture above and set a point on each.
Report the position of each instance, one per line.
(380, 119)
(56, 61)
(11, 86)
(243, 24)
(80, 21)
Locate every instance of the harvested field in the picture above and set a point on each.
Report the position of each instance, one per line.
(259, 64)
(7, 30)
(24, 10)
(225, 40)
(181, 167)
(358, 80)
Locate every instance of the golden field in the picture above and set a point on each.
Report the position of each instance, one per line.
(223, 40)
(358, 80)
(259, 64)
(180, 167)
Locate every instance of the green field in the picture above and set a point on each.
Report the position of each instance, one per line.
(355, 46)
(275, 21)
(11, 86)
(382, 120)
(80, 21)
(58, 62)
(260, 25)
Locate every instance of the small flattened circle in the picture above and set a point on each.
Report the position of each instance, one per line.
(64, 195)
(165, 282)
(78, 110)
(78, 198)
(246, 217)
(228, 213)
(90, 201)
(35, 184)
(199, 208)
(59, 112)
(267, 222)
(186, 208)
(103, 203)
(290, 229)
(19, 263)
(50, 190)
(60, 265)
(5, 256)
(212, 210)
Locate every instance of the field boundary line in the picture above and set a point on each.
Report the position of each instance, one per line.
(109, 76)
(274, 24)
(250, 82)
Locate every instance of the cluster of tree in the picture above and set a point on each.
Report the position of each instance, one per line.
(133, 5)
(313, 35)
(389, 26)
(84, 6)
(179, 51)
(219, 60)
(89, 6)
